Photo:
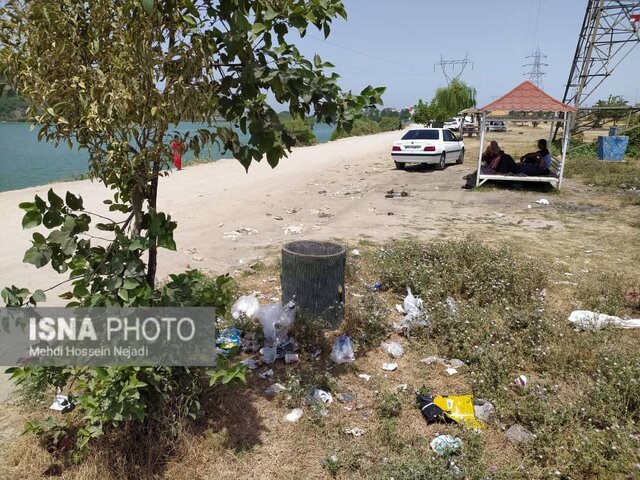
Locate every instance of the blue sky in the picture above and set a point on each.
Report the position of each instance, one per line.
(395, 43)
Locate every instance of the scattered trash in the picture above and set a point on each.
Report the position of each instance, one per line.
(325, 215)
(61, 403)
(451, 371)
(484, 410)
(197, 258)
(228, 340)
(375, 287)
(324, 397)
(455, 470)
(400, 309)
(542, 201)
(518, 434)
(414, 317)
(342, 351)
(389, 367)
(291, 358)
(452, 306)
(445, 445)
(364, 376)
(392, 348)
(528, 206)
(521, 381)
(275, 389)
(401, 387)
(246, 305)
(355, 431)
(499, 215)
(588, 320)
(313, 356)
(276, 321)
(268, 354)
(391, 194)
(355, 252)
(250, 363)
(278, 217)
(434, 359)
(456, 363)
(293, 229)
(345, 397)
(456, 408)
(235, 234)
(294, 415)
(266, 374)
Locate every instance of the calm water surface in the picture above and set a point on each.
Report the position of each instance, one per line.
(25, 162)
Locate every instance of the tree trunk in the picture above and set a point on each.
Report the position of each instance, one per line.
(313, 277)
(153, 241)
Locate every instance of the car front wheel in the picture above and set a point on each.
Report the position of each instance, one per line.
(443, 161)
(399, 165)
(460, 160)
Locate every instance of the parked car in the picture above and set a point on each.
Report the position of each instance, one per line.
(496, 126)
(437, 146)
(456, 123)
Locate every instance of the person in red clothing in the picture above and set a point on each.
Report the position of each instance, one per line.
(178, 149)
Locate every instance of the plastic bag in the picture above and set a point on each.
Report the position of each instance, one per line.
(415, 317)
(229, 339)
(412, 305)
(342, 351)
(246, 305)
(445, 445)
(392, 348)
(596, 321)
(458, 409)
(276, 321)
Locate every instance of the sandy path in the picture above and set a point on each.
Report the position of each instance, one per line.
(333, 190)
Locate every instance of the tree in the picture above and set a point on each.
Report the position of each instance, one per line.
(601, 116)
(454, 97)
(113, 77)
(428, 113)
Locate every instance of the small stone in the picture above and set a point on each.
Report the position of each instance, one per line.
(294, 415)
(456, 363)
(364, 376)
(345, 397)
(518, 434)
(483, 410)
(197, 258)
(355, 431)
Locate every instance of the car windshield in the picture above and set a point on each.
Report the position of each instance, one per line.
(421, 135)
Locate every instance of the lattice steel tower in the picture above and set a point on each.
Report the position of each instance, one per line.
(609, 33)
(536, 73)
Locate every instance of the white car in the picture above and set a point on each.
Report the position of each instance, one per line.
(456, 123)
(437, 146)
(496, 126)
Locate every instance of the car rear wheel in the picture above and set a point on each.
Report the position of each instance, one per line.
(443, 161)
(460, 160)
(400, 165)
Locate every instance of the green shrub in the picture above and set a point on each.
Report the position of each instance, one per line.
(300, 131)
(387, 124)
(388, 405)
(361, 126)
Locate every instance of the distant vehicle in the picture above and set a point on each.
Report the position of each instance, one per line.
(496, 126)
(437, 146)
(456, 123)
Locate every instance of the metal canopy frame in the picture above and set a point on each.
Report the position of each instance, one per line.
(565, 121)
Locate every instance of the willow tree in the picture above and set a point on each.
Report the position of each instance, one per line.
(114, 77)
(454, 98)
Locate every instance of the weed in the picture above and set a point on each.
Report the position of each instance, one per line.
(388, 405)
(367, 322)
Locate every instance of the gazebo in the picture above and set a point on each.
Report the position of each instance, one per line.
(528, 103)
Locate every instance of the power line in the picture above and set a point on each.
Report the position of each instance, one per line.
(453, 64)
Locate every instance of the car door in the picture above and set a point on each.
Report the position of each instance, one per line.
(449, 145)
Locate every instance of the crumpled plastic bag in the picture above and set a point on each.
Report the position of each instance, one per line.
(246, 305)
(457, 408)
(589, 320)
(414, 314)
(392, 348)
(445, 445)
(342, 351)
(276, 321)
(229, 339)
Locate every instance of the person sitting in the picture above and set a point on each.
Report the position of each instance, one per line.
(502, 162)
(536, 163)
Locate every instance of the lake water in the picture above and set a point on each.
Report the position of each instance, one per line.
(25, 162)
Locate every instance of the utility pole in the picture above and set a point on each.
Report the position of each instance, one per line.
(537, 62)
(443, 64)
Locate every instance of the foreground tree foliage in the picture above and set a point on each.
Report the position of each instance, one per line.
(114, 77)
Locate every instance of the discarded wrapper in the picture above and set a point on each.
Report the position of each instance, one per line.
(458, 409)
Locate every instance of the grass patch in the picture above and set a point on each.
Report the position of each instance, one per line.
(621, 175)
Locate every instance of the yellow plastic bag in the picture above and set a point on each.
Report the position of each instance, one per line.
(459, 408)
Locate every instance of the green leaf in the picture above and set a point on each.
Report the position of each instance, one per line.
(73, 202)
(148, 6)
(55, 201)
(38, 255)
(31, 219)
(39, 296)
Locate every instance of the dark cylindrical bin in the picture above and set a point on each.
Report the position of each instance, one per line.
(313, 277)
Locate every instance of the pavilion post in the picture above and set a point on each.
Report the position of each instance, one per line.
(566, 127)
(483, 123)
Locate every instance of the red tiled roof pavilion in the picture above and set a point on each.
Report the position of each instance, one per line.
(526, 97)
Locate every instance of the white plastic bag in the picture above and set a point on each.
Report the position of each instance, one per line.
(412, 305)
(246, 305)
(392, 348)
(276, 321)
(596, 321)
(415, 317)
(342, 351)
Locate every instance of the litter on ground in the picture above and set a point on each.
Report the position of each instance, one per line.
(588, 320)
(445, 445)
(355, 431)
(342, 351)
(294, 415)
(458, 409)
(393, 349)
(389, 367)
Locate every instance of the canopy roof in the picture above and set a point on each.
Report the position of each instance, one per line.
(526, 97)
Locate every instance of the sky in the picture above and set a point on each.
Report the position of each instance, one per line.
(395, 43)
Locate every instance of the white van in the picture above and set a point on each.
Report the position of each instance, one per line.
(496, 126)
